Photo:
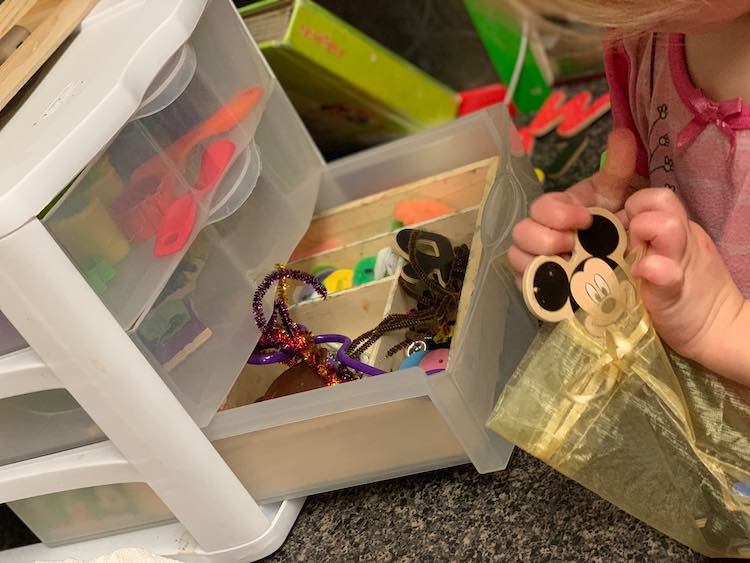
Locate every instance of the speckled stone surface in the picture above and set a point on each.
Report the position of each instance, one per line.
(12, 531)
(525, 513)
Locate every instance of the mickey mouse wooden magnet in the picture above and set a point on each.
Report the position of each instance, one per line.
(555, 288)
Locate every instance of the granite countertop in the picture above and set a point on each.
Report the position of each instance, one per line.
(526, 513)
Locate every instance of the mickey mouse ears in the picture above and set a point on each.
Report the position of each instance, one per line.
(546, 281)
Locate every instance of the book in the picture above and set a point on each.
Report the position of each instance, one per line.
(351, 92)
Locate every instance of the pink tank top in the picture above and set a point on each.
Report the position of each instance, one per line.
(695, 146)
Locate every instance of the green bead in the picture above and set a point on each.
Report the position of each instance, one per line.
(364, 271)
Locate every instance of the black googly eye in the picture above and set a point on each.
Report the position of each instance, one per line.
(601, 238)
(551, 286)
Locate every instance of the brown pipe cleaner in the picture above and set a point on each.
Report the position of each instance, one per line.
(434, 309)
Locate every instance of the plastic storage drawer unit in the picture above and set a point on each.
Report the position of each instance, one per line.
(186, 159)
(198, 177)
(379, 427)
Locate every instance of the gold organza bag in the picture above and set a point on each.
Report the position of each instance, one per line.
(607, 405)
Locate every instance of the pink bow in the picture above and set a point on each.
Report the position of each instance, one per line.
(727, 116)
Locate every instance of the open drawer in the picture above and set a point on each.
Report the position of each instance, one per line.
(382, 426)
(404, 421)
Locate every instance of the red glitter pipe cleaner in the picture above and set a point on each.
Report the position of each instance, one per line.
(280, 333)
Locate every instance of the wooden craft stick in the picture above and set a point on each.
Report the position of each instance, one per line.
(42, 9)
(11, 13)
(44, 39)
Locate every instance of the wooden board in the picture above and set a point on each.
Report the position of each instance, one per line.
(50, 22)
(470, 280)
(365, 218)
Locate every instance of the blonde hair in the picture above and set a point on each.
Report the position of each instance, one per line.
(624, 17)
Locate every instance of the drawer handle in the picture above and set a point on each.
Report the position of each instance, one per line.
(491, 216)
(141, 219)
(241, 180)
(173, 80)
(223, 121)
(497, 216)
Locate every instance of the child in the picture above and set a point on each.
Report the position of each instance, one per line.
(678, 71)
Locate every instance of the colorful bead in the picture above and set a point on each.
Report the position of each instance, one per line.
(742, 489)
(387, 263)
(339, 281)
(445, 334)
(435, 360)
(413, 360)
(317, 270)
(364, 271)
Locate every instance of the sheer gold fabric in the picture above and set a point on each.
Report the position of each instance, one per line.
(651, 432)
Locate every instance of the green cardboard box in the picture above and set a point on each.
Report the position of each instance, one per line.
(350, 91)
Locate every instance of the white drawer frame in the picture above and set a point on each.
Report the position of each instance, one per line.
(152, 439)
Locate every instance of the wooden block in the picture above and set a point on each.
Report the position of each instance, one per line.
(199, 341)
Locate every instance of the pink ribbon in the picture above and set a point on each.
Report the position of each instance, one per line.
(727, 116)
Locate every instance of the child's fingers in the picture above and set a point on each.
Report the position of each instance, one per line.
(655, 199)
(622, 215)
(664, 275)
(536, 239)
(610, 186)
(663, 232)
(519, 259)
(560, 211)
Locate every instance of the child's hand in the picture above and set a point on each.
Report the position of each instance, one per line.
(695, 305)
(553, 217)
